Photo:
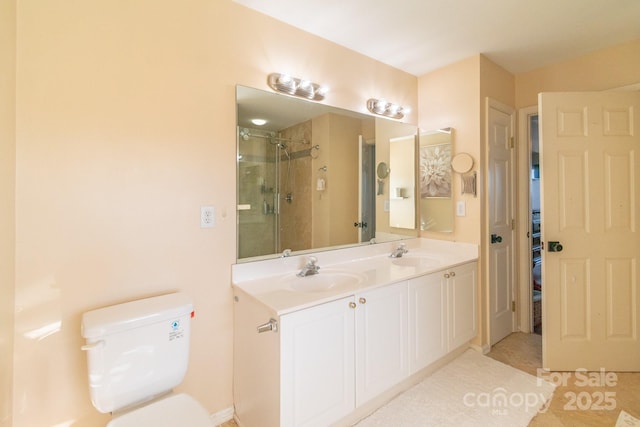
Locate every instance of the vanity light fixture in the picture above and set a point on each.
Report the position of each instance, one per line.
(293, 86)
(387, 109)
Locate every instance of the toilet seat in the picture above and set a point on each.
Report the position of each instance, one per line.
(178, 410)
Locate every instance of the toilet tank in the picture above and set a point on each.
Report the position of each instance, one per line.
(136, 350)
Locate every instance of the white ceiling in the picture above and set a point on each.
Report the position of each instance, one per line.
(419, 36)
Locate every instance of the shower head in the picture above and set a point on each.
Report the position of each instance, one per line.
(284, 148)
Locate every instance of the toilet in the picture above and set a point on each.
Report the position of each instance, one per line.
(137, 352)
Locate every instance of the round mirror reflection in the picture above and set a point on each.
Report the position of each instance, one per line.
(382, 170)
(462, 163)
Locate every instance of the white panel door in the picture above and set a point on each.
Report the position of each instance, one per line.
(500, 199)
(427, 320)
(317, 364)
(381, 340)
(590, 181)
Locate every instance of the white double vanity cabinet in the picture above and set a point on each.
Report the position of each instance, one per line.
(329, 348)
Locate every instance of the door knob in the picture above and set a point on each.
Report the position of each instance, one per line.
(555, 247)
(495, 238)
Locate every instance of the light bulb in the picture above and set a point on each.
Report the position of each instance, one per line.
(381, 105)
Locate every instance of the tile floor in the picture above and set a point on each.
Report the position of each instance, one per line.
(524, 352)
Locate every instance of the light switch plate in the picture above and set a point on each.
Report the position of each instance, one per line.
(461, 208)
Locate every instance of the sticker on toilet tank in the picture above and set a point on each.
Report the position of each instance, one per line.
(176, 330)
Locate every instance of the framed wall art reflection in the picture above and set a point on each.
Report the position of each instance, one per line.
(435, 171)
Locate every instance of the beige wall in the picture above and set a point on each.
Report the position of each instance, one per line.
(609, 68)
(7, 203)
(450, 97)
(342, 191)
(335, 208)
(454, 96)
(125, 127)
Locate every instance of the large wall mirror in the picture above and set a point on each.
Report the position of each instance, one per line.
(307, 176)
(436, 198)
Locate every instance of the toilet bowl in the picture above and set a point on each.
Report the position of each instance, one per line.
(137, 352)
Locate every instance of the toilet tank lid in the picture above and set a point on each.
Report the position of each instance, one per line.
(134, 314)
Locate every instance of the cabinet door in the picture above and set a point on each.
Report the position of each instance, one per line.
(462, 301)
(317, 364)
(427, 320)
(381, 340)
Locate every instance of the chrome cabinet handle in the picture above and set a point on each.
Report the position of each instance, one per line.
(352, 304)
(362, 300)
(271, 325)
(446, 275)
(453, 274)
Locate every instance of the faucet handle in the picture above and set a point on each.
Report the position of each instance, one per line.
(399, 251)
(311, 260)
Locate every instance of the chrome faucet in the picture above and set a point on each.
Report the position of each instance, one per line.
(399, 251)
(310, 268)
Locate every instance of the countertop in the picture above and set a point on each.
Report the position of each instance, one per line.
(359, 269)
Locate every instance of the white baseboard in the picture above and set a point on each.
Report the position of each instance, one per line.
(222, 416)
(483, 349)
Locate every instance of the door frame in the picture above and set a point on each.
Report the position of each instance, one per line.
(511, 111)
(523, 220)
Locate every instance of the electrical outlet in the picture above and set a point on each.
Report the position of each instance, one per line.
(207, 217)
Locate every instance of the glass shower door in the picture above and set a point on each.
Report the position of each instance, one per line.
(257, 195)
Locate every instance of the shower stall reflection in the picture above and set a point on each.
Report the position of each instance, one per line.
(272, 212)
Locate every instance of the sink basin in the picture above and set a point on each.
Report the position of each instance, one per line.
(325, 280)
(416, 260)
